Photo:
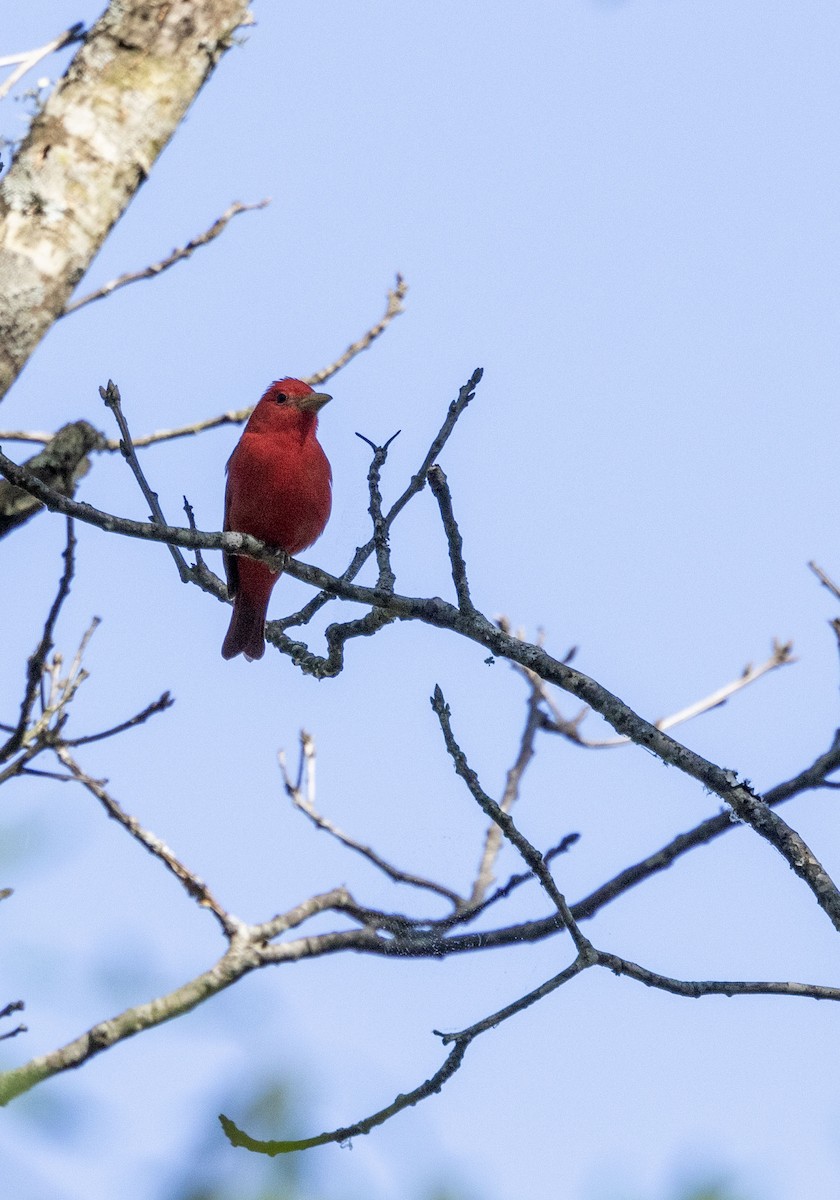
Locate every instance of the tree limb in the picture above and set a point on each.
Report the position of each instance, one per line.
(120, 101)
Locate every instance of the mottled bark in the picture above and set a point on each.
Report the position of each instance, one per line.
(60, 465)
(89, 150)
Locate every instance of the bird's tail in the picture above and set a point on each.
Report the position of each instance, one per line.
(246, 633)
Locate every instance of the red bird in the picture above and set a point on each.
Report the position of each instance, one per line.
(279, 488)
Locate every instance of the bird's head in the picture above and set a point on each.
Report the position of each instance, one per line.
(294, 393)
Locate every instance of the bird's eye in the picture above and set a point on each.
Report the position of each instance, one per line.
(281, 397)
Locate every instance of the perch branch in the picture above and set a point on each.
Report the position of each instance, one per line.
(739, 795)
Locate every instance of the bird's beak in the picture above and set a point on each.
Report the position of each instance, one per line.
(313, 402)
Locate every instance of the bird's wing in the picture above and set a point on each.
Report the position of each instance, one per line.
(230, 560)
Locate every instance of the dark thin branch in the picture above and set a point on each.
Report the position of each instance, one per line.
(518, 1006)
(14, 1007)
(386, 579)
(433, 611)
(694, 989)
(417, 483)
(430, 1088)
(111, 395)
(14, 1032)
(35, 666)
(440, 490)
(515, 881)
(188, 509)
(160, 705)
(825, 580)
(505, 822)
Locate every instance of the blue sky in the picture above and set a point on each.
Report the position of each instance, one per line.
(627, 214)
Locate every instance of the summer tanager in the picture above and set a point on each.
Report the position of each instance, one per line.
(279, 488)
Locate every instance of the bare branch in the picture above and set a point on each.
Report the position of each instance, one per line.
(515, 881)
(430, 1088)
(232, 416)
(178, 255)
(493, 838)
(440, 490)
(160, 705)
(782, 656)
(194, 886)
(387, 579)
(505, 822)
(436, 612)
(302, 795)
(825, 580)
(111, 396)
(418, 482)
(394, 307)
(518, 1006)
(35, 666)
(694, 989)
(30, 58)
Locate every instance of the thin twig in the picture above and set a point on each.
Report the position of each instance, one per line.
(387, 578)
(14, 1032)
(440, 490)
(695, 988)
(178, 255)
(232, 416)
(194, 886)
(111, 395)
(825, 580)
(431, 1087)
(30, 58)
(396, 295)
(518, 1006)
(199, 561)
(35, 666)
(782, 656)
(569, 727)
(160, 705)
(417, 483)
(529, 852)
(302, 795)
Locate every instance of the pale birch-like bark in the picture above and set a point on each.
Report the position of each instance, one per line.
(91, 147)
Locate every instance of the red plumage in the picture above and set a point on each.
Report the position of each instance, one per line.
(279, 488)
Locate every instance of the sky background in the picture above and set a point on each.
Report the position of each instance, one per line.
(626, 213)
